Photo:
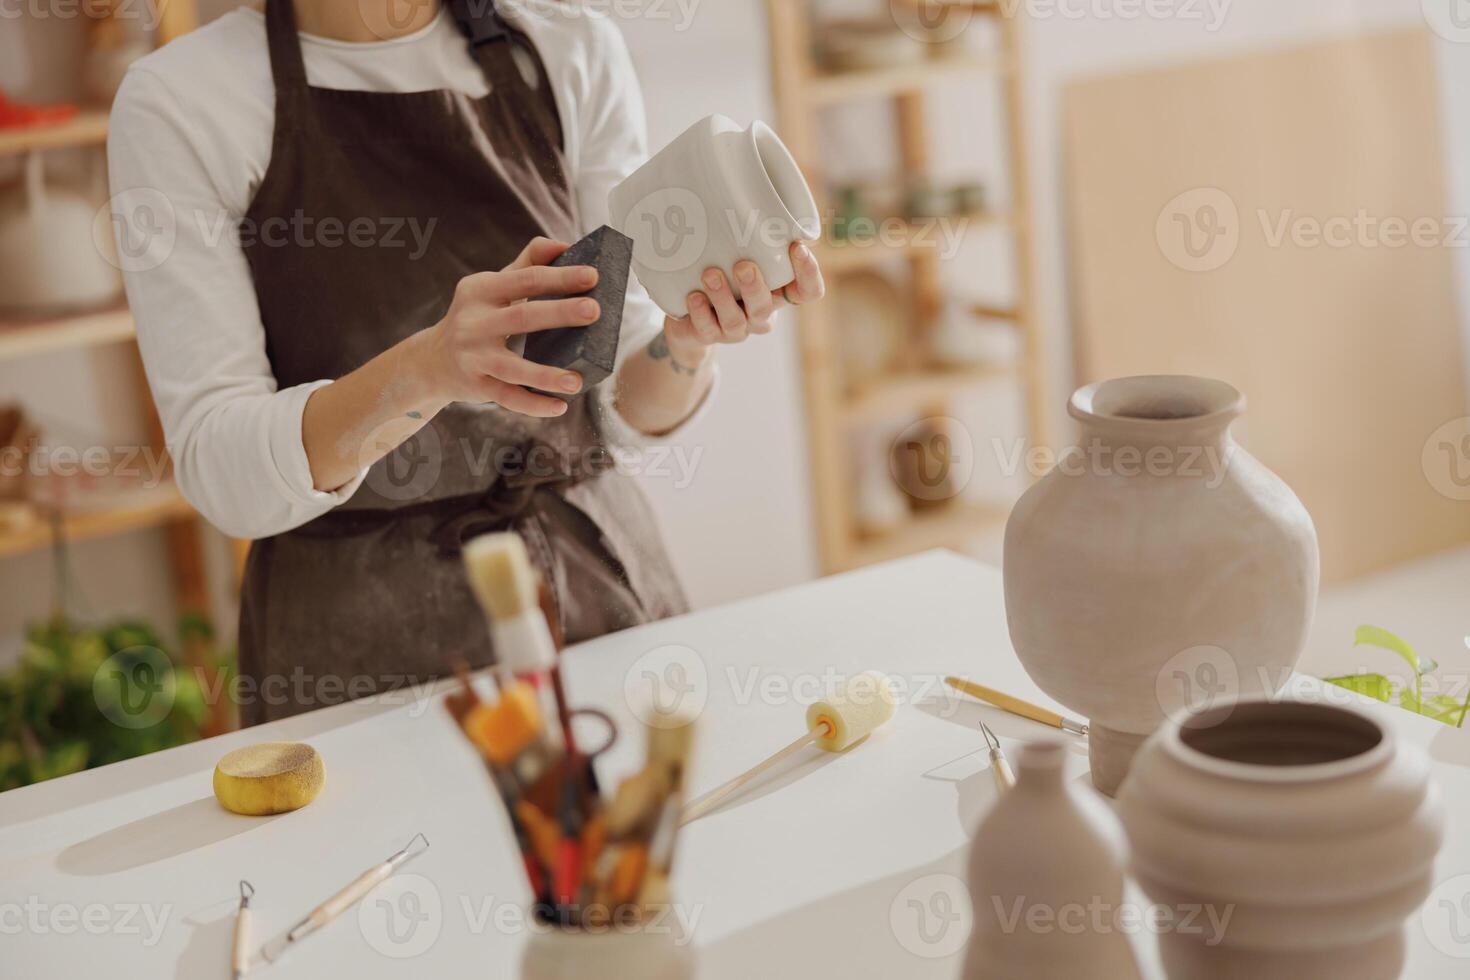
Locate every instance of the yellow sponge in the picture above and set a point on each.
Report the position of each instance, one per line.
(273, 777)
(858, 708)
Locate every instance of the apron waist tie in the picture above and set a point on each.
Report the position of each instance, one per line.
(498, 508)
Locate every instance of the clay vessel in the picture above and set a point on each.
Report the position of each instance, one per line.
(715, 195)
(1046, 880)
(1311, 825)
(1158, 566)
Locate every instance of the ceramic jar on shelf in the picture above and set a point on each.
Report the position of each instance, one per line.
(1158, 566)
(1311, 826)
(714, 196)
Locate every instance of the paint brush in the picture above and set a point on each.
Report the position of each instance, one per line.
(1016, 706)
(506, 585)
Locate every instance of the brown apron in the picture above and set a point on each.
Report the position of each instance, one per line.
(372, 597)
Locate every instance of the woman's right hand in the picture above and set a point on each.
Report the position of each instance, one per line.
(466, 357)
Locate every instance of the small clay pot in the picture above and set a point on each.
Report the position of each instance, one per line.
(1046, 880)
(1311, 826)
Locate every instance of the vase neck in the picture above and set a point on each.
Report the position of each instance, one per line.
(1156, 411)
(1041, 767)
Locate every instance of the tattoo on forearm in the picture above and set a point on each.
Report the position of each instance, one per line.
(658, 349)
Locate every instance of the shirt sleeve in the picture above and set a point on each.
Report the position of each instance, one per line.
(234, 437)
(615, 143)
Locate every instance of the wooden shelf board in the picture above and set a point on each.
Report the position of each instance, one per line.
(152, 508)
(29, 338)
(910, 392)
(839, 257)
(834, 87)
(986, 5)
(86, 128)
(942, 527)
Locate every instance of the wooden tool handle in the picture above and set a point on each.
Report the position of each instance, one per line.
(1005, 779)
(347, 897)
(240, 958)
(714, 797)
(1005, 702)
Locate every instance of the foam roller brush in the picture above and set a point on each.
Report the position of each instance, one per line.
(858, 708)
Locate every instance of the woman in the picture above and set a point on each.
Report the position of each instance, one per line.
(332, 242)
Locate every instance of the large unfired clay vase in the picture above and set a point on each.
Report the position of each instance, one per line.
(1310, 824)
(1046, 880)
(1158, 566)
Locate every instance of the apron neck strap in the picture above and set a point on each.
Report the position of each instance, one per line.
(480, 22)
(287, 67)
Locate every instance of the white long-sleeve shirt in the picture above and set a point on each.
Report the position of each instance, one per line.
(190, 141)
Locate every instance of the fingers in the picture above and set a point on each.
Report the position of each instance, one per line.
(526, 282)
(702, 319)
(546, 314)
(759, 304)
(539, 251)
(516, 370)
(809, 286)
(520, 400)
(733, 324)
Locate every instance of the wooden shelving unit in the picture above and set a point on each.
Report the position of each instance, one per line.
(159, 507)
(145, 509)
(36, 337)
(804, 91)
(87, 128)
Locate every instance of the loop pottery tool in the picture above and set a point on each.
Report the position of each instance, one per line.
(1016, 706)
(858, 708)
(240, 957)
(1000, 768)
(344, 899)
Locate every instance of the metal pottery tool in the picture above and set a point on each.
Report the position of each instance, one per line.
(343, 900)
(1000, 769)
(1016, 706)
(240, 955)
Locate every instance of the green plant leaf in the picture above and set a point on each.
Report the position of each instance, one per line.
(1376, 686)
(1444, 708)
(1376, 636)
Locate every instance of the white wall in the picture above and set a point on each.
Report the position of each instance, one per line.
(743, 526)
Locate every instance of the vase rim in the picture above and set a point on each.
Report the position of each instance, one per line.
(801, 213)
(1177, 735)
(1158, 402)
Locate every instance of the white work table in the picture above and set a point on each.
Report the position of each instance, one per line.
(823, 870)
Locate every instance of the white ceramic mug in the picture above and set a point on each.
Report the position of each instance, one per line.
(714, 196)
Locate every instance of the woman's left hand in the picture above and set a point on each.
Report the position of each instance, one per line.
(717, 317)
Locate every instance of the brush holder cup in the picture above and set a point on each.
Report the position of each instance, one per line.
(715, 196)
(645, 953)
(1311, 826)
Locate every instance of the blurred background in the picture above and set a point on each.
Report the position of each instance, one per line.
(1020, 197)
